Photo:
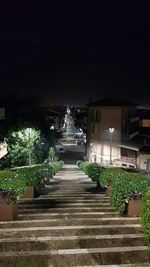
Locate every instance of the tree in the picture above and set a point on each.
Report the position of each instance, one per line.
(22, 147)
(51, 154)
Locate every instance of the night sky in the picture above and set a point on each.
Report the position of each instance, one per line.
(73, 51)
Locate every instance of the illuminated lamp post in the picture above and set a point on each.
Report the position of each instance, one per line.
(111, 131)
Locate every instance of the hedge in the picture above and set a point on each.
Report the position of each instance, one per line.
(12, 184)
(107, 175)
(126, 186)
(78, 163)
(145, 215)
(83, 166)
(57, 165)
(93, 171)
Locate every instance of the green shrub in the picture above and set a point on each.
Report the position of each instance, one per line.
(34, 174)
(46, 172)
(78, 163)
(61, 162)
(31, 175)
(57, 165)
(146, 215)
(83, 166)
(13, 184)
(126, 186)
(107, 175)
(93, 170)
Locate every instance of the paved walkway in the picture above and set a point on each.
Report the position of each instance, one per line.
(71, 226)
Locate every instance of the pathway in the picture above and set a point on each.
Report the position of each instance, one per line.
(72, 226)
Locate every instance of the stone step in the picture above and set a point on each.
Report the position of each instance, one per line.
(73, 257)
(59, 194)
(64, 205)
(82, 237)
(57, 201)
(63, 210)
(71, 230)
(69, 221)
(73, 187)
(65, 215)
(93, 197)
(117, 265)
(70, 242)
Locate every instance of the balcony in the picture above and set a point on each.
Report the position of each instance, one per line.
(125, 162)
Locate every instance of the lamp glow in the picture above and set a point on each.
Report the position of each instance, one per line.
(111, 131)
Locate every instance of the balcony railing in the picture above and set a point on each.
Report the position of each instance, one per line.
(128, 160)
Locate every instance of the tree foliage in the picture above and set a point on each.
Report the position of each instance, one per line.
(21, 144)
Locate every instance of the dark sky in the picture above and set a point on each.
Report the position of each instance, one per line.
(70, 51)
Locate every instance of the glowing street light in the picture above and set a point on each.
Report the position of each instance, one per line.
(111, 131)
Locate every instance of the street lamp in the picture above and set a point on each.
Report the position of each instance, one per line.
(111, 131)
(29, 132)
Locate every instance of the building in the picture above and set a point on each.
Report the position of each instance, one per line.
(3, 144)
(136, 152)
(113, 135)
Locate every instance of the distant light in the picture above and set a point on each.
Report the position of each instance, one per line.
(52, 127)
(111, 130)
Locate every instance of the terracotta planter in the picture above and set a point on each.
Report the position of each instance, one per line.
(8, 209)
(109, 191)
(15, 210)
(134, 207)
(29, 193)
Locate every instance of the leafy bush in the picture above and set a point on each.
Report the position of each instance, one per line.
(83, 166)
(57, 165)
(34, 174)
(126, 186)
(46, 172)
(12, 184)
(31, 175)
(21, 143)
(107, 175)
(51, 154)
(78, 163)
(93, 170)
(146, 215)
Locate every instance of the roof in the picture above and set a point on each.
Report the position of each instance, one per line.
(110, 101)
(135, 144)
(145, 150)
(129, 146)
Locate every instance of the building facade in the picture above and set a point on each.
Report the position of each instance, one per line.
(113, 135)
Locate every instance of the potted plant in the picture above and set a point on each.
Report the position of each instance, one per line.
(11, 187)
(127, 192)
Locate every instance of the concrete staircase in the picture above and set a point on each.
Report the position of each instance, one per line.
(72, 226)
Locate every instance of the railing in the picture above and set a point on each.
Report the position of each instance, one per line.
(128, 160)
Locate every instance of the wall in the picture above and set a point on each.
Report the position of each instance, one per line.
(99, 142)
(142, 161)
